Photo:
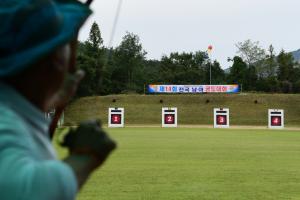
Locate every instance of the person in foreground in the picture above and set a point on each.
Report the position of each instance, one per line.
(37, 73)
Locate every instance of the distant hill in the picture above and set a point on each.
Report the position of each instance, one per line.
(296, 55)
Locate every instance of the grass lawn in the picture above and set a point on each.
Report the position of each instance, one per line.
(199, 164)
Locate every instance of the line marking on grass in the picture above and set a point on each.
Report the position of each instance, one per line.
(292, 128)
(208, 127)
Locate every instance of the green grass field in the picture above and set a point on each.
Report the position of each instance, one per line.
(196, 164)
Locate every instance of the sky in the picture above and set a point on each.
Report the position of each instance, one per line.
(166, 26)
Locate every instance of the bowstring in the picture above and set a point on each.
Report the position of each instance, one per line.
(115, 23)
(109, 50)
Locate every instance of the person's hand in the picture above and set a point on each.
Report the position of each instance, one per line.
(91, 140)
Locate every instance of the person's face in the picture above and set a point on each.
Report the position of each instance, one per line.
(56, 71)
(63, 83)
(60, 60)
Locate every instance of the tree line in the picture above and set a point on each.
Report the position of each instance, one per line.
(125, 69)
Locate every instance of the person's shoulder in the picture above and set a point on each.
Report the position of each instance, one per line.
(10, 120)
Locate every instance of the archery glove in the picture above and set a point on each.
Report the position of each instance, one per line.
(89, 138)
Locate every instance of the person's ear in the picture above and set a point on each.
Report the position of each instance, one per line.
(59, 60)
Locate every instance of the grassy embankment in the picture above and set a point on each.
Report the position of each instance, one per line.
(192, 109)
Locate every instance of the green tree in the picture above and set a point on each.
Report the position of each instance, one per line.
(266, 68)
(270, 63)
(151, 72)
(270, 84)
(250, 78)
(296, 78)
(286, 65)
(297, 86)
(250, 52)
(183, 68)
(287, 73)
(238, 71)
(217, 73)
(129, 58)
(90, 58)
(254, 57)
(86, 63)
(95, 40)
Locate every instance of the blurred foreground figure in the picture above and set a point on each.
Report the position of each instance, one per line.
(36, 75)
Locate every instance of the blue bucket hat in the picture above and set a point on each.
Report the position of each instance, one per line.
(31, 29)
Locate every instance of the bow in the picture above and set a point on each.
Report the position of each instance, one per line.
(72, 65)
(72, 69)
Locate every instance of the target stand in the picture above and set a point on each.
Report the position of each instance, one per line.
(276, 119)
(169, 117)
(221, 118)
(116, 117)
